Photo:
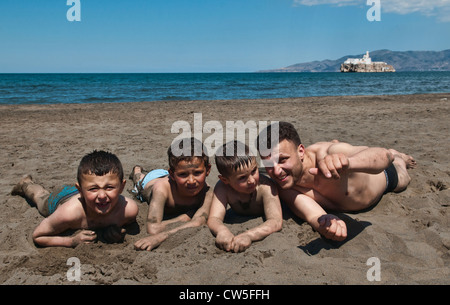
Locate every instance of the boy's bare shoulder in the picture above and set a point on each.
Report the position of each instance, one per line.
(267, 186)
(221, 189)
(161, 185)
(266, 181)
(70, 211)
(130, 205)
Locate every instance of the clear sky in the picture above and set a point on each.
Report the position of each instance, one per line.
(209, 35)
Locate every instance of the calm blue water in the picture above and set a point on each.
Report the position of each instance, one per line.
(100, 88)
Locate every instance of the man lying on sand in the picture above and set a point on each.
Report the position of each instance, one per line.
(181, 192)
(331, 176)
(247, 193)
(94, 203)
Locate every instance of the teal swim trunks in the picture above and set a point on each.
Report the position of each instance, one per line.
(60, 196)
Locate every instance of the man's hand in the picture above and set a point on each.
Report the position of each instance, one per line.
(332, 227)
(331, 166)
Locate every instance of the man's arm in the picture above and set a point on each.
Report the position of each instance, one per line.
(335, 158)
(309, 210)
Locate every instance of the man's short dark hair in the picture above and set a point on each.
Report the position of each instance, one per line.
(286, 131)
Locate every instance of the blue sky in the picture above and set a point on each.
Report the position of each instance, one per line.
(209, 35)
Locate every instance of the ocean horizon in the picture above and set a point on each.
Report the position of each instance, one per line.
(69, 88)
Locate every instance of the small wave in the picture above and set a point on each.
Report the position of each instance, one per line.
(94, 99)
(176, 98)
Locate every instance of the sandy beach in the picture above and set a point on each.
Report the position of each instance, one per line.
(408, 232)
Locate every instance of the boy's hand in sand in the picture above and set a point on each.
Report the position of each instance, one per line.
(331, 166)
(85, 236)
(224, 240)
(114, 234)
(241, 243)
(332, 227)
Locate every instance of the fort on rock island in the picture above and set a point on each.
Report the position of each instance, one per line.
(365, 64)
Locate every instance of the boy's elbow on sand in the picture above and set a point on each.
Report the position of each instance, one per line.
(278, 226)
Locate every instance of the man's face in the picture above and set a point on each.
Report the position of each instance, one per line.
(284, 163)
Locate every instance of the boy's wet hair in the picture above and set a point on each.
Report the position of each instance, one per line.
(231, 156)
(179, 151)
(286, 131)
(99, 163)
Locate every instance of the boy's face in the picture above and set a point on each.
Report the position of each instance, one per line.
(285, 163)
(101, 193)
(190, 176)
(245, 179)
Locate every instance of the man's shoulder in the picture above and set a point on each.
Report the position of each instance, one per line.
(333, 147)
(320, 146)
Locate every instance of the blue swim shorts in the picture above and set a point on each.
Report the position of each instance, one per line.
(60, 196)
(140, 187)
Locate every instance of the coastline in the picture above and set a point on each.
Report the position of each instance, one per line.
(408, 231)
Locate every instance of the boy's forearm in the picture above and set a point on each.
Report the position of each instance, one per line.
(260, 232)
(54, 241)
(216, 225)
(155, 227)
(195, 222)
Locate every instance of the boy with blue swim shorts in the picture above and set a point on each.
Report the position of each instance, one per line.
(45, 202)
(179, 195)
(142, 186)
(93, 207)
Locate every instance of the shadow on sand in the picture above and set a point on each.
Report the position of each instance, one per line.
(354, 227)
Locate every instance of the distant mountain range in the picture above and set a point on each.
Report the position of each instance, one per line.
(402, 61)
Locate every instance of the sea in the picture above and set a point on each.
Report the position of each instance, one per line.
(16, 89)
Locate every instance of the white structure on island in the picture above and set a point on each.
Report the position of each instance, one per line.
(365, 64)
(366, 60)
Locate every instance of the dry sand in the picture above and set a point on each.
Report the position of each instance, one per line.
(407, 232)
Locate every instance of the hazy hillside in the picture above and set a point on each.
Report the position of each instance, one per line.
(402, 61)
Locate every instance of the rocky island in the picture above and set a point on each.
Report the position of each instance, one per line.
(365, 64)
